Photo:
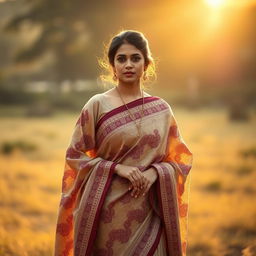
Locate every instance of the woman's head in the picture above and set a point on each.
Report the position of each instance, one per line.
(128, 51)
(134, 38)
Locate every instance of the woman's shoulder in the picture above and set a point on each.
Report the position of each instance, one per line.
(162, 100)
(100, 97)
(95, 98)
(165, 103)
(99, 101)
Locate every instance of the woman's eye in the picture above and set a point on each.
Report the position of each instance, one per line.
(121, 59)
(134, 59)
(137, 58)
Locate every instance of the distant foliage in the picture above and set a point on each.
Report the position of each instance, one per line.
(8, 147)
(238, 108)
(238, 113)
(244, 170)
(249, 152)
(213, 186)
(15, 96)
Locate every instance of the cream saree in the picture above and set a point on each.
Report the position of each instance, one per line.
(97, 215)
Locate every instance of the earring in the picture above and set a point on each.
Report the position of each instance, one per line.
(145, 77)
(114, 77)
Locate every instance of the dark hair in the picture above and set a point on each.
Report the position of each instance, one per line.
(133, 37)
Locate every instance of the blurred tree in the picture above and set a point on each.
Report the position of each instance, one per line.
(70, 31)
(71, 35)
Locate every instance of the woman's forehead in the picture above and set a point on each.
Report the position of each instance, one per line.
(127, 49)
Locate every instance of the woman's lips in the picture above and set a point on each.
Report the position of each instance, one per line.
(129, 74)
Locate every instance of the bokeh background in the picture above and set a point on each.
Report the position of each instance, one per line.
(205, 53)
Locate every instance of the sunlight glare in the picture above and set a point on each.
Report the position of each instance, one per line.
(215, 3)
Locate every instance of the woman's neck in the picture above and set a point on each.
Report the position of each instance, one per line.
(130, 90)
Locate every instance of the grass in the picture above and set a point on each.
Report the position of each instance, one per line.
(213, 186)
(222, 212)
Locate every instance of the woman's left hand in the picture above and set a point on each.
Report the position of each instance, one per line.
(150, 176)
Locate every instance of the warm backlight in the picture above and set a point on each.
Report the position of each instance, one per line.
(215, 3)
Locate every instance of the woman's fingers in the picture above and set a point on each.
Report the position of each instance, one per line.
(146, 188)
(133, 181)
(136, 178)
(140, 180)
(140, 184)
(141, 192)
(145, 181)
(135, 193)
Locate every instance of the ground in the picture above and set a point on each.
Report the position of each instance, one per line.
(222, 216)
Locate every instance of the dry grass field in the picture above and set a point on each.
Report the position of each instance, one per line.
(222, 218)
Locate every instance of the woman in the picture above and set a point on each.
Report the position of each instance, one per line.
(126, 168)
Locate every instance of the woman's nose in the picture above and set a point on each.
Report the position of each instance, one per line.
(128, 63)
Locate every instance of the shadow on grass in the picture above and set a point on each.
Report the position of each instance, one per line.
(214, 186)
(244, 170)
(238, 239)
(200, 250)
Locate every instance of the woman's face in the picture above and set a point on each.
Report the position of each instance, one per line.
(129, 63)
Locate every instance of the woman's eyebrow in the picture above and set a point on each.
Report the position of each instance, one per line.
(135, 54)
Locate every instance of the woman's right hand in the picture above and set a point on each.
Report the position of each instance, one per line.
(133, 174)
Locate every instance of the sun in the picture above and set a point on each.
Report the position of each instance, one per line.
(215, 3)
